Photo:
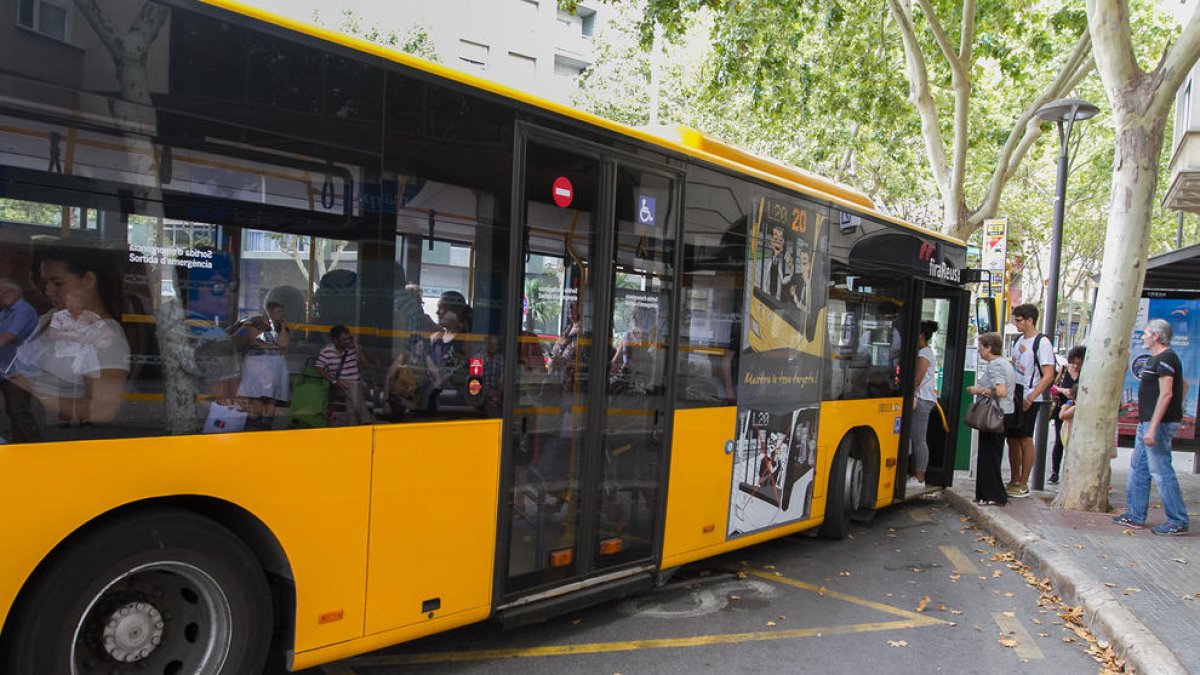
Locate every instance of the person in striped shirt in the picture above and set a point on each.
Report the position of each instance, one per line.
(339, 361)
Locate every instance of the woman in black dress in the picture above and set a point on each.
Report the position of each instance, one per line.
(996, 379)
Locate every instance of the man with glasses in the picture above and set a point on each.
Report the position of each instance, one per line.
(1033, 360)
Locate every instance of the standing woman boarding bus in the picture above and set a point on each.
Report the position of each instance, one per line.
(996, 380)
(926, 398)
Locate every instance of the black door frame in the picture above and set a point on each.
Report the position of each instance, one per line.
(940, 473)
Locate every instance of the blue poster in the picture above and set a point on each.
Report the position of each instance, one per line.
(1183, 313)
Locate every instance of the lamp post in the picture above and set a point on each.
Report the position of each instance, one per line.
(1064, 112)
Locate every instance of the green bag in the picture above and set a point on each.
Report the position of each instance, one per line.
(310, 400)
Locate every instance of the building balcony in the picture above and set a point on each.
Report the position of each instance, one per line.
(1183, 192)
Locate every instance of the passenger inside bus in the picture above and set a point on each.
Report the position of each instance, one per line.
(77, 372)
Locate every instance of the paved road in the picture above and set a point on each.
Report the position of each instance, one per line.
(920, 590)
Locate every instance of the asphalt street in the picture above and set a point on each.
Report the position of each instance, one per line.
(919, 590)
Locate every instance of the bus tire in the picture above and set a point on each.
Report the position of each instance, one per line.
(163, 591)
(837, 513)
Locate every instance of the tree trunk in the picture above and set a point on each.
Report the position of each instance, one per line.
(134, 106)
(1135, 175)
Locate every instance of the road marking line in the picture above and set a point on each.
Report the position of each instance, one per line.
(962, 564)
(632, 645)
(920, 515)
(923, 619)
(1026, 648)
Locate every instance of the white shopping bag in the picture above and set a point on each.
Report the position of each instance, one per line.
(224, 418)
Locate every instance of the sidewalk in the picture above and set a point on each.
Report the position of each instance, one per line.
(1141, 592)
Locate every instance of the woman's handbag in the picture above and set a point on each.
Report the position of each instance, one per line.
(985, 415)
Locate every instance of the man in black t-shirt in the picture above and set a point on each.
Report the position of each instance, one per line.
(1160, 410)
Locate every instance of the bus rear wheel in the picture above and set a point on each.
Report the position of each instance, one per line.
(157, 592)
(847, 496)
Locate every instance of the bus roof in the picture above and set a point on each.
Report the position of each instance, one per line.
(683, 140)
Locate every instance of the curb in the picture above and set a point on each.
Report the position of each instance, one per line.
(1141, 647)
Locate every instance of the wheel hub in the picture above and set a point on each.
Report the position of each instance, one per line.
(133, 632)
(854, 483)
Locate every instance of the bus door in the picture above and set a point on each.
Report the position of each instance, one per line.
(949, 307)
(585, 439)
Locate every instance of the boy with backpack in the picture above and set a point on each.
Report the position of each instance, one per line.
(1033, 361)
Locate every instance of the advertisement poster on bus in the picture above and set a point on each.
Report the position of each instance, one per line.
(1182, 311)
(773, 469)
(786, 297)
(779, 389)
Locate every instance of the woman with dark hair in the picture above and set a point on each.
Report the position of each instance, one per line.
(925, 399)
(84, 389)
(1063, 392)
(446, 359)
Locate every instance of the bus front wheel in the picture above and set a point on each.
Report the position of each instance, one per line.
(166, 591)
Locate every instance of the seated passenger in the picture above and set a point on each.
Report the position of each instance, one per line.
(339, 362)
(407, 380)
(77, 361)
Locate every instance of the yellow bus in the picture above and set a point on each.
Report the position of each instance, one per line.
(310, 348)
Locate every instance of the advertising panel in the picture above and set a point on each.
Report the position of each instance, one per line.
(1182, 311)
(779, 392)
(995, 250)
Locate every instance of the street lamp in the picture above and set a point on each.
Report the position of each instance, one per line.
(1064, 112)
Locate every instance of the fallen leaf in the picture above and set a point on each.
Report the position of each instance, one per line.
(1009, 614)
(897, 643)
(1108, 585)
(771, 623)
(735, 597)
(1043, 635)
(843, 574)
(1130, 533)
(1008, 643)
(956, 612)
(923, 603)
(1037, 621)
(575, 622)
(768, 567)
(997, 573)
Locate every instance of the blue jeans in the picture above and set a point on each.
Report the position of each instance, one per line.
(1154, 462)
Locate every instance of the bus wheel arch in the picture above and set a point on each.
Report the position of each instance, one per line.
(129, 563)
(853, 482)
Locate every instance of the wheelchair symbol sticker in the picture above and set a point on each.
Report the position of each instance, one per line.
(645, 210)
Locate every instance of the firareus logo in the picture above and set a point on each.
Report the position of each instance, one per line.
(937, 269)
